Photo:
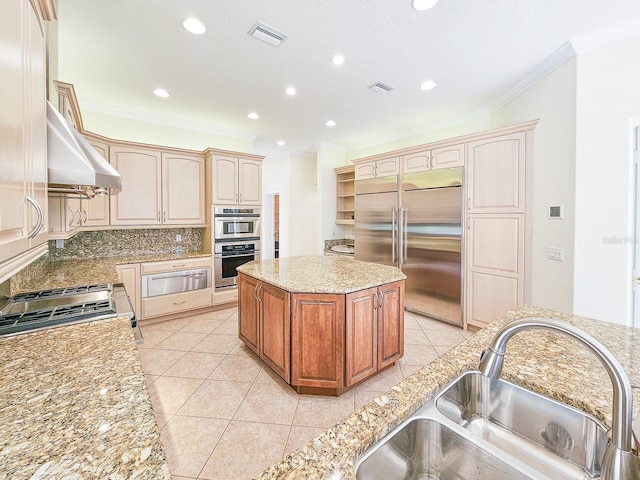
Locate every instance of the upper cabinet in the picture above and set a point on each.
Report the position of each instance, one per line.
(444, 157)
(158, 188)
(23, 161)
(496, 174)
(377, 168)
(235, 180)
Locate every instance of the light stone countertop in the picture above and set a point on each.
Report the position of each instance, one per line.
(546, 362)
(321, 274)
(67, 273)
(74, 405)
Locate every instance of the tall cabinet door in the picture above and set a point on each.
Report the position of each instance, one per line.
(248, 312)
(139, 202)
(225, 180)
(390, 323)
(249, 182)
(361, 323)
(183, 189)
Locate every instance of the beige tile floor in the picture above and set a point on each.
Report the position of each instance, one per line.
(223, 414)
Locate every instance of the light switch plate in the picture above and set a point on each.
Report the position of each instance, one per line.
(555, 253)
(556, 211)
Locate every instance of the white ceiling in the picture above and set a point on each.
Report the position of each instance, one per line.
(116, 52)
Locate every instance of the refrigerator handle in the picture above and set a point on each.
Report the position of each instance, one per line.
(405, 233)
(393, 234)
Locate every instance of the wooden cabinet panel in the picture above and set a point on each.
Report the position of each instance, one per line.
(95, 212)
(377, 168)
(248, 312)
(416, 162)
(496, 243)
(496, 174)
(175, 265)
(317, 334)
(183, 189)
(177, 302)
(139, 202)
(249, 182)
(366, 170)
(447, 157)
(390, 324)
(275, 325)
(129, 275)
(236, 181)
(491, 296)
(361, 335)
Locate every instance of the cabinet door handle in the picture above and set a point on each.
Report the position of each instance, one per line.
(85, 216)
(179, 303)
(177, 266)
(158, 216)
(73, 216)
(40, 220)
(380, 299)
(79, 216)
(164, 218)
(240, 198)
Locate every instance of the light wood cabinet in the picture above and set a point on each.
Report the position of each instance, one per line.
(443, 157)
(236, 181)
(345, 195)
(140, 201)
(374, 330)
(377, 168)
(496, 174)
(158, 188)
(264, 323)
(95, 212)
(65, 216)
(129, 275)
(322, 343)
(23, 164)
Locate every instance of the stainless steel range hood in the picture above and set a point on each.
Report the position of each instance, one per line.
(74, 165)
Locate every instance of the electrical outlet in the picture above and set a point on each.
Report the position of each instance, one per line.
(178, 238)
(555, 253)
(60, 243)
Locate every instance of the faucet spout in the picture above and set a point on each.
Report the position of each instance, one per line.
(619, 461)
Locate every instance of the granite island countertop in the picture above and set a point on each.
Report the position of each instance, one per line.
(321, 274)
(546, 362)
(74, 405)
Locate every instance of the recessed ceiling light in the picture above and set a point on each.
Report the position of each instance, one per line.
(253, 116)
(161, 92)
(338, 59)
(330, 123)
(291, 91)
(423, 4)
(194, 26)
(281, 143)
(428, 85)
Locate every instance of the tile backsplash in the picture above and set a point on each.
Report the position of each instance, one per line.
(111, 243)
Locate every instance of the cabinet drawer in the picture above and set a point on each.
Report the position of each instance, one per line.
(179, 302)
(174, 265)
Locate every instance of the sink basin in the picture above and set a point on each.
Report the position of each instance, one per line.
(477, 427)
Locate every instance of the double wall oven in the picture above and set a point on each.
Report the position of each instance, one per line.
(236, 241)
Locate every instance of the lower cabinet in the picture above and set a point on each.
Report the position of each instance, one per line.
(129, 275)
(322, 343)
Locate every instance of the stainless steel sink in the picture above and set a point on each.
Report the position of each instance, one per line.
(478, 427)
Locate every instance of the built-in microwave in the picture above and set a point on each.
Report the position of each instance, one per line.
(235, 223)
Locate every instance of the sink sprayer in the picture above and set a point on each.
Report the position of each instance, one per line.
(619, 461)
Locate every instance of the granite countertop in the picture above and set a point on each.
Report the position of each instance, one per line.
(546, 362)
(74, 405)
(66, 273)
(321, 274)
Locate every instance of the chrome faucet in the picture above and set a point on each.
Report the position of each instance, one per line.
(619, 461)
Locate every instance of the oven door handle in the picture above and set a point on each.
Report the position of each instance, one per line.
(219, 255)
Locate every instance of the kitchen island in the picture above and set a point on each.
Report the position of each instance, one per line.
(324, 324)
(545, 362)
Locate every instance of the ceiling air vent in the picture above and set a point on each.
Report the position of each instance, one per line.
(268, 34)
(381, 87)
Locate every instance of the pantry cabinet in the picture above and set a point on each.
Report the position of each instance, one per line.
(23, 162)
(235, 180)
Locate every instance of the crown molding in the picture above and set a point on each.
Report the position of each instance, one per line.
(165, 121)
(480, 114)
(604, 36)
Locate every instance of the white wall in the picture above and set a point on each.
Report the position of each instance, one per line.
(121, 125)
(550, 181)
(329, 157)
(608, 98)
(304, 207)
(276, 178)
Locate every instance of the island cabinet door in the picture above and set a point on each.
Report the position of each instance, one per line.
(317, 340)
(275, 326)
(390, 323)
(361, 336)
(248, 311)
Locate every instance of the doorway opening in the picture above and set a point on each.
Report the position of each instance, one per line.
(276, 226)
(270, 238)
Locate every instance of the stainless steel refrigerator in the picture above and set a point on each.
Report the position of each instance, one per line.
(414, 222)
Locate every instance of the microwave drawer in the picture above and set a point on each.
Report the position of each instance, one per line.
(179, 302)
